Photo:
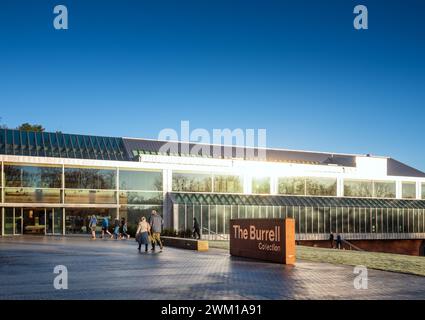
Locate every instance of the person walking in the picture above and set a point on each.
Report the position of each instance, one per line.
(142, 233)
(123, 229)
(338, 241)
(92, 225)
(117, 229)
(155, 222)
(105, 227)
(331, 240)
(196, 229)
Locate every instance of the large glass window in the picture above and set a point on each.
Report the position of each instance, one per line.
(358, 188)
(140, 180)
(32, 176)
(408, 190)
(321, 186)
(29, 195)
(132, 215)
(90, 196)
(228, 184)
(84, 178)
(78, 220)
(192, 182)
(384, 189)
(132, 197)
(261, 185)
(294, 186)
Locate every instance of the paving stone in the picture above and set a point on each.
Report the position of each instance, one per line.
(111, 269)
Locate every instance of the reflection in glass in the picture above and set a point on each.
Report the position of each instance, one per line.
(133, 197)
(192, 182)
(228, 184)
(140, 180)
(408, 190)
(292, 186)
(321, 186)
(90, 196)
(32, 176)
(261, 185)
(384, 189)
(84, 178)
(31, 195)
(358, 188)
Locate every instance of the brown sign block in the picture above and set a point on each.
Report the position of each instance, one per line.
(263, 239)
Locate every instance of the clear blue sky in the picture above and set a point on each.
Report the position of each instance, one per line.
(296, 68)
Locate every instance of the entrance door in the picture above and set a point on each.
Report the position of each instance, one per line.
(54, 221)
(19, 222)
(34, 221)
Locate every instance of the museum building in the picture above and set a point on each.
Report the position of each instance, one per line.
(52, 182)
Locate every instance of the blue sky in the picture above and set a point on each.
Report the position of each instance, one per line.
(295, 68)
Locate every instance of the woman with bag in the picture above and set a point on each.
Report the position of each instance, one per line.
(142, 234)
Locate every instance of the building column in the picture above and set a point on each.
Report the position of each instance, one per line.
(339, 187)
(398, 190)
(273, 185)
(247, 184)
(167, 208)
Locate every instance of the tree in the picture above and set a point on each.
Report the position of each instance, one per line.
(2, 126)
(31, 127)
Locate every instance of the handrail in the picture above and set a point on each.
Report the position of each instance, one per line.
(351, 245)
(217, 234)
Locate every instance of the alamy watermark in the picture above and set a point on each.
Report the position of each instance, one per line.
(60, 282)
(222, 143)
(60, 22)
(361, 280)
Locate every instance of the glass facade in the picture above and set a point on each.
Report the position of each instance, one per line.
(291, 186)
(369, 188)
(132, 214)
(192, 182)
(384, 189)
(358, 188)
(368, 206)
(228, 184)
(408, 190)
(32, 176)
(140, 180)
(56, 144)
(83, 178)
(312, 215)
(261, 185)
(311, 186)
(77, 220)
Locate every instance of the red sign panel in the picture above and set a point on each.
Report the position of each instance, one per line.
(263, 239)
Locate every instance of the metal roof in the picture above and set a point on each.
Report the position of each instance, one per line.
(275, 200)
(60, 145)
(145, 146)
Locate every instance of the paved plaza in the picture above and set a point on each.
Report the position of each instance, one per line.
(109, 269)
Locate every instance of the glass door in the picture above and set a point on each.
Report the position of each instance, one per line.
(18, 221)
(9, 219)
(49, 220)
(34, 221)
(58, 221)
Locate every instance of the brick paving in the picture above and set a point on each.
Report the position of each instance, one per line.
(109, 269)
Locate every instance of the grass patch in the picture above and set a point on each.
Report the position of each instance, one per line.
(374, 260)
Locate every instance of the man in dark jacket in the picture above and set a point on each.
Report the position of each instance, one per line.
(196, 229)
(331, 240)
(339, 241)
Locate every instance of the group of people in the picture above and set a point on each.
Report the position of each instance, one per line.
(338, 241)
(119, 232)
